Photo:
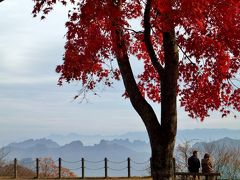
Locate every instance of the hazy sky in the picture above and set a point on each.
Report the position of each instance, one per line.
(31, 103)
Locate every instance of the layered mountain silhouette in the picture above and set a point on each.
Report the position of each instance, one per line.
(116, 150)
(182, 135)
(76, 149)
(224, 143)
(135, 146)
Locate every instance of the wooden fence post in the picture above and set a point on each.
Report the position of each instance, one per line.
(82, 168)
(129, 167)
(105, 167)
(59, 168)
(15, 168)
(37, 168)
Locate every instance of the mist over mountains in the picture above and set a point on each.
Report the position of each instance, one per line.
(73, 147)
(182, 135)
(116, 151)
(224, 143)
(94, 139)
(207, 134)
(134, 145)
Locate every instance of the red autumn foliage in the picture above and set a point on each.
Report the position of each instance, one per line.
(207, 33)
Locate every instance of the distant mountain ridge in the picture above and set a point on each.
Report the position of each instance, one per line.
(38, 142)
(94, 139)
(105, 148)
(226, 143)
(182, 135)
(46, 147)
(116, 150)
(207, 134)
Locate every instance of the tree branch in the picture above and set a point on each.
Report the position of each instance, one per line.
(139, 103)
(147, 30)
(137, 32)
(185, 54)
(231, 82)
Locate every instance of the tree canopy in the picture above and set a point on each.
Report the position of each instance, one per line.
(207, 33)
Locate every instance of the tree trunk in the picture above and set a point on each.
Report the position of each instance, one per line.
(162, 149)
(161, 135)
(162, 164)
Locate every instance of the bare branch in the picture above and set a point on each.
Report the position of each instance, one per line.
(232, 83)
(137, 32)
(185, 54)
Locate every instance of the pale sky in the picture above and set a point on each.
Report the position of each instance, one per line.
(31, 103)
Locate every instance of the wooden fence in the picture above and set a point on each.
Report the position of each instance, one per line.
(106, 168)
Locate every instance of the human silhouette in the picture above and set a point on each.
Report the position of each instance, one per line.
(194, 163)
(207, 166)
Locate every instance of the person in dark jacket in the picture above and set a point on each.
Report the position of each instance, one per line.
(194, 163)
